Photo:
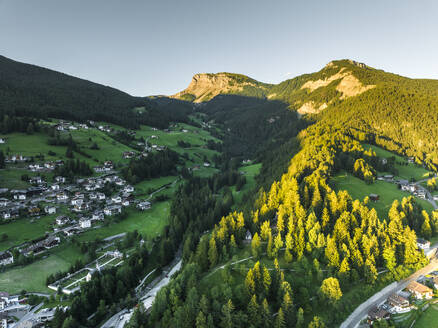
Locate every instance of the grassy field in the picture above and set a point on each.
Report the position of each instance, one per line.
(250, 172)
(429, 318)
(388, 192)
(404, 171)
(153, 184)
(150, 223)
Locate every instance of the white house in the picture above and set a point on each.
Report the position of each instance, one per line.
(60, 179)
(112, 210)
(50, 209)
(85, 223)
(61, 197)
(6, 258)
(116, 199)
(20, 196)
(128, 188)
(144, 206)
(420, 291)
(398, 303)
(97, 216)
(55, 187)
(4, 201)
(206, 164)
(422, 243)
(62, 219)
(101, 196)
(2, 140)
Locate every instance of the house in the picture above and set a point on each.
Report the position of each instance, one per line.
(85, 223)
(55, 187)
(101, 196)
(81, 207)
(20, 195)
(62, 219)
(128, 188)
(6, 215)
(116, 199)
(112, 210)
(62, 196)
(128, 154)
(206, 164)
(4, 202)
(34, 211)
(3, 320)
(77, 201)
(60, 179)
(388, 176)
(377, 314)
(98, 215)
(422, 243)
(144, 206)
(49, 165)
(435, 197)
(374, 197)
(398, 303)
(420, 291)
(6, 258)
(92, 196)
(50, 209)
(36, 180)
(2, 140)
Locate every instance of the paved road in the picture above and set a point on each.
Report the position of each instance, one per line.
(362, 310)
(28, 316)
(429, 196)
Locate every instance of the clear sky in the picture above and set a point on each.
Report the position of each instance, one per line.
(155, 46)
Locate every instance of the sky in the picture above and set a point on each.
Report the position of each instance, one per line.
(155, 47)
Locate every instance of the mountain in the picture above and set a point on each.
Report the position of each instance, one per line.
(206, 86)
(380, 105)
(29, 90)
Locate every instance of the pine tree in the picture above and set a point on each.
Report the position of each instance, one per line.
(255, 245)
(279, 320)
(330, 290)
(266, 280)
(300, 318)
(212, 253)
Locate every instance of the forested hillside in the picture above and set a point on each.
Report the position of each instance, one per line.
(28, 90)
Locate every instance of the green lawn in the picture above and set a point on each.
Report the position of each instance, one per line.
(429, 318)
(404, 171)
(387, 192)
(250, 172)
(144, 186)
(150, 223)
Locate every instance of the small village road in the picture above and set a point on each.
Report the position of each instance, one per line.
(362, 310)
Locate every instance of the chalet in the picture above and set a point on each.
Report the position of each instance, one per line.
(2, 140)
(125, 202)
(374, 197)
(54, 187)
(99, 169)
(4, 202)
(42, 245)
(77, 201)
(81, 207)
(92, 196)
(101, 196)
(420, 291)
(49, 165)
(120, 182)
(248, 235)
(98, 215)
(62, 196)
(377, 314)
(35, 167)
(36, 180)
(116, 199)
(144, 206)
(128, 189)
(422, 243)
(85, 223)
(62, 219)
(398, 303)
(388, 176)
(6, 258)
(128, 154)
(6, 215)
(206, 164)
(60, 179)
(20, 194)
(50, 209)
(34, 211)
(112, 210)
(70, 231)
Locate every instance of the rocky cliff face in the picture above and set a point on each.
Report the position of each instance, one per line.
(206, 86)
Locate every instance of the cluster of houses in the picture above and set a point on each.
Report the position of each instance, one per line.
(401, 302)
(66, 126)
(47, 166)
(106, 167)
(16, 158)
(5, 259)
(405, 185)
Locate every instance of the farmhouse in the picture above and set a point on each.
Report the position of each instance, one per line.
(422, 243)
(144, 206)
(419, 290)
(6, 258)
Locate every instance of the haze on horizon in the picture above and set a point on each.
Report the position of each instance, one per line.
(155, 47)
